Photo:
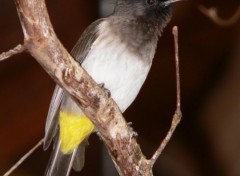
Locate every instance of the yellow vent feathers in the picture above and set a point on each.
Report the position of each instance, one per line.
(73, 130)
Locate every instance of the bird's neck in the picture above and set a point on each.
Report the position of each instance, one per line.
(140, 36)
(135, 26)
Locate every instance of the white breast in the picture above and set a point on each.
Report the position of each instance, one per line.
(122, 72)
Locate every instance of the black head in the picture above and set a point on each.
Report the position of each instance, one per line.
(145, 10)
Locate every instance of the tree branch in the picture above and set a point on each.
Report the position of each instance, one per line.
(22, 159)
(18, 49)
(212, 14)
(178, 114)
(42, 43)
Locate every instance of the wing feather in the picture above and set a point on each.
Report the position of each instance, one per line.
(79, 52)
(61, 164)
(52, 117)
(83, 46)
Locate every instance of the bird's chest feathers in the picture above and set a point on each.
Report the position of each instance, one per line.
(110, 62)
(122, 72)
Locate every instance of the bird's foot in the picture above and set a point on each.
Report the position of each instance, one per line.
(108, 93)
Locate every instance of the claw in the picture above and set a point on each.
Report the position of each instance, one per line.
(108, 93)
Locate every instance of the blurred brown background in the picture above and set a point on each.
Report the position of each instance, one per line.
(207, 142)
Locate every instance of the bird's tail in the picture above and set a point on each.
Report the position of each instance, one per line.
(60, 164)
(70, 143)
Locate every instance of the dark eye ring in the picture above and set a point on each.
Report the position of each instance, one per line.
(151, 2)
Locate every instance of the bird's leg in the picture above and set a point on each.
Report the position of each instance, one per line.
(107, 91)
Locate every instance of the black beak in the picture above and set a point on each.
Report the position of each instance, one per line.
(167, 3)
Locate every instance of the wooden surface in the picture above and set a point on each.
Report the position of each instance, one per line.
(206, 141)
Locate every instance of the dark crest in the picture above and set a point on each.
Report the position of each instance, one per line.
(146, 10)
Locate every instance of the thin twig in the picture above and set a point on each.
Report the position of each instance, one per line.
(18, 49)
(15, 166)
(178, 89)
(178, 114)
(212, 14)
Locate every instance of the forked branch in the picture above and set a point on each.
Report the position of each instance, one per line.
(178, 114)
(212, 14)
(42, 43)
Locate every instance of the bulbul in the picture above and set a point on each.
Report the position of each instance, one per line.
(117, 52)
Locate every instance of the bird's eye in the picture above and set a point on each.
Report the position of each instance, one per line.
(151, 2)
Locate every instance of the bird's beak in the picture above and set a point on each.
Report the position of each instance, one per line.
(167, 3)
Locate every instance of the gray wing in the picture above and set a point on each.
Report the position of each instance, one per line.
(83, 46)
(52, 117)
(79, 52)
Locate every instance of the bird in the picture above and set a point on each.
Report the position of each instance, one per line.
(117, 52)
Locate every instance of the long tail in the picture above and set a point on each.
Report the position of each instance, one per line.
(60, 164)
